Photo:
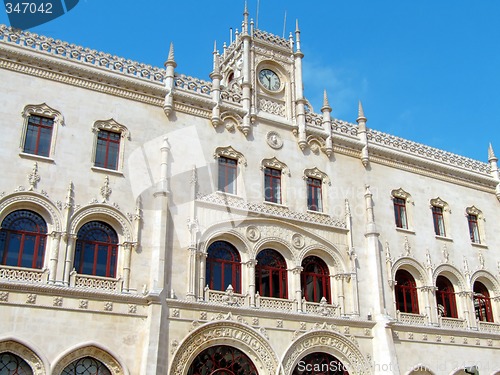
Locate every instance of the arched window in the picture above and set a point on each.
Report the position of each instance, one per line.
(315, 279)
(482, 303)
(319, 363)
(406, 292)
(86, 366)
(445, 297)
(271, 274)
(22, 239)
(222, 360)
(96, 249)
(11, 364)
(223, 266)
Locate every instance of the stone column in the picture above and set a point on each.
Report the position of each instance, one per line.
(203, 265)
(296, 272)
(191, 292)
(251, 280)
(54, 256)
(127, 257)
(70, 254)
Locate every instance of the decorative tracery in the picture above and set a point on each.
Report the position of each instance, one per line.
(11, 364)
(86, 366)
(222, 360)
(319, 363)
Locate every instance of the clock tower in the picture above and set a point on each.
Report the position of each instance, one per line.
(259, 76)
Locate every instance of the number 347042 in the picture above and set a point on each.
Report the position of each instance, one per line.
(28, 8)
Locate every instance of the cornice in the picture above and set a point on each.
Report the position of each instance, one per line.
(401, 327)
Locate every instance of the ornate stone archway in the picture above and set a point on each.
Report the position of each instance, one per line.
(228, 333)
(90, 351)
(329, 342)
(24, 352)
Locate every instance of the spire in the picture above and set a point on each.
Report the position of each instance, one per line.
(361, 113)
(325, 100)
(297, 35)
(171, 59)
(491, 154)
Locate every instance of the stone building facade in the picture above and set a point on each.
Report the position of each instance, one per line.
(156, 223)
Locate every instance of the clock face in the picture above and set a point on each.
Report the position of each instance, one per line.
(269, 80)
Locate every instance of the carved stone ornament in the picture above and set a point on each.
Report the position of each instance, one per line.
(253, 233)
(112, 126)
(105, 190)
(400, 193)
(229, 152)
(298, 241)
(316, 173)
(241, 336)
(33, 360)
(474, 211)
(90, 351)
(438, 202)
(274, 140)
(34, 177)
(275, 164)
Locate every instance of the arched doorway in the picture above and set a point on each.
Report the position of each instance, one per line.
(222, 360)
(319, 363)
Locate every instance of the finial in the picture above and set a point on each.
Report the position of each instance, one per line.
(297, 30)
(215, 47)
(361, 113)
(297, 35)
(325, 100)
(491, 154)
(171, 59)
(245, 12)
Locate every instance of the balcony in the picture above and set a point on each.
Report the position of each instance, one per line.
(105, 284)
(24, 275)
(230, 298)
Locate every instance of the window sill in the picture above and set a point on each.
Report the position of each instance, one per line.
(317, 212)
(37, 157)
(443, 238)
(229, 195)
(107, 171)
(275, 204)
(480, 245)
(403, 230)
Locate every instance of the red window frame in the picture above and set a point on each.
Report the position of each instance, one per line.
(271, 275)
(473, 228)
(315, 273)
(94, 239)
(107, 149)
(314, 194)
(221, 360)
(22, 239)
(272, 182)
(38, 137)
(228, 172)
(482, 303)
(445, 297)
(438, 220)
(400, 213)
(406, 292)
(223, 267)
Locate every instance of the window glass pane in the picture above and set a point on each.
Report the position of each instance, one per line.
(44, 142)
(102, 260)
(28, 251)
(14, 246)
(11, 364)
(30, 141)
(88, 259)
(113, 155)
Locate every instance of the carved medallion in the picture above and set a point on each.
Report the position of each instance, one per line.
(274, 140)
(253, 233)
(298, 241)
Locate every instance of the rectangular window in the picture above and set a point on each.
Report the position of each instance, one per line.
(228, 170)
(314, 201)
(437, 216)
(400, 213)
(272, 181)
(473, 228)
(38, 135)
(107, 149)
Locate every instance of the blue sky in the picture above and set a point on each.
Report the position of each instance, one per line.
(425, 70)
